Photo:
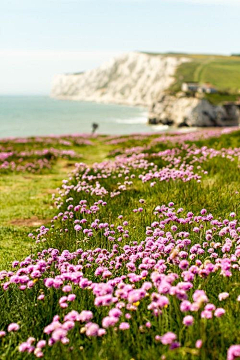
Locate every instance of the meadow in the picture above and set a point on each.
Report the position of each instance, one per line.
(223, 72)
(120, 247)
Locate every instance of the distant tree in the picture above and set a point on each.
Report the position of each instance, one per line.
(94, 127)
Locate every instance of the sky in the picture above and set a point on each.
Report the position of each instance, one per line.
(42, 38)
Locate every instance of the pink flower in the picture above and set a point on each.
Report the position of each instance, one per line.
(85, 316)
(67, 288)
(200, 296)
(183, 265)
(219, 312)
(233, 352)
(38, 353)
(210, 307)
(77, 227)
(205, 314)
(101, 332)
(188, 320)
(31, 340)
(24, 347)
(124, 326)
(168, 338)
(41, 344)
(63, 305)
(13, 327)
(115, 312)
(223, 296)
(185, 306)
(49, 282)
(109, 321)
(71, 297)
(2, 333)
(92, 329)
(198, 344)
(59, 334)
(68, 325)
(174, 345)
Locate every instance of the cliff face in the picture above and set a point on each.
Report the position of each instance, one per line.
(142, 79)
(131, 79)
(189, 111)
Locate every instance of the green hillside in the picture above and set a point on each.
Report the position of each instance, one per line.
(223, 72)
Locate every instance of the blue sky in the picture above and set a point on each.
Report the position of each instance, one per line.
(41, 38)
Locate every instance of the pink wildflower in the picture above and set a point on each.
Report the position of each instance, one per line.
(124, 326)
(13, 327)
(198, 344)
(168, 338)
(223, 296)
(219, 312)
(188, 320)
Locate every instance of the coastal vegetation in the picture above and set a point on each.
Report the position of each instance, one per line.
(223, 72)
(120, 247)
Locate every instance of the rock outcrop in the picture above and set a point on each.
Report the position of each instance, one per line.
(130, 79)
(190, 111)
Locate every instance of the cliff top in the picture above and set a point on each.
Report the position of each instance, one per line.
(223, 72)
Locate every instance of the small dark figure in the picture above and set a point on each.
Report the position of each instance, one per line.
(94, 128)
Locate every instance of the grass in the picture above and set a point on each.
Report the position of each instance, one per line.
(26, 195)
(222, 72)
(25, 200)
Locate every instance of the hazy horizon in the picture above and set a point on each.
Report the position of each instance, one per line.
(47, 93)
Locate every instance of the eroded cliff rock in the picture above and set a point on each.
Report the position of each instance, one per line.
(131, 79)
(190, 111)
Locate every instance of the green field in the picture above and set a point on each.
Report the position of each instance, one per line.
(223, 72)
(25, 200)
(141, 248)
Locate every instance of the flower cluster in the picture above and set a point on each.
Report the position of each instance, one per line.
(102, 272)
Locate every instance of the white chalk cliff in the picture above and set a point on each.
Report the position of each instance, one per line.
(143, 79)
(131, 79)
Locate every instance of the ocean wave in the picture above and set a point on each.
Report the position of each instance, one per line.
(135, 120)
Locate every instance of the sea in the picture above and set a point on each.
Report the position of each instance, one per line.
(22, 116)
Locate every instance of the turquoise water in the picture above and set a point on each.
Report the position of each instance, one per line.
(39, 115)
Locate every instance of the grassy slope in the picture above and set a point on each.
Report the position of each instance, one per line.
(25, 201)
(216, 193)
(223, 72)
